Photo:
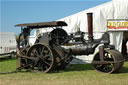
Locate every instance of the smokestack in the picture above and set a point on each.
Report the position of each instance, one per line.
(90, 26)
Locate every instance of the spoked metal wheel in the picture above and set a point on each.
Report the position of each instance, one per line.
(58, 34)
(43, 59)
(112, 56)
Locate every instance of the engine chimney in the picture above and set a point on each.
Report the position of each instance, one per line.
(90, 26)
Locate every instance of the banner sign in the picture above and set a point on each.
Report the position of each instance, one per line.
(117, 25)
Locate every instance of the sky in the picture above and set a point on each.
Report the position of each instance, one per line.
(14, 12)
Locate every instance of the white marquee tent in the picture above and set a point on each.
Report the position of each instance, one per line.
(115, 9)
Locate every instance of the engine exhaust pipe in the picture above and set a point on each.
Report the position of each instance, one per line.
(90, 26)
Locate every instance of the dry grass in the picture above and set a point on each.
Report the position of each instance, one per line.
(74, 75)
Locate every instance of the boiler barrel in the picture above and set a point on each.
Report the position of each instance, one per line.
(82, 51)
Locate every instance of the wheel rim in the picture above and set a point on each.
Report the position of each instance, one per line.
(44, 60)
(105, 68)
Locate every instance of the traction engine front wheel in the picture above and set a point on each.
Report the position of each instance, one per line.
(112, 56)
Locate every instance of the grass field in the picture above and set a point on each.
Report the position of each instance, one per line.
(74, 75)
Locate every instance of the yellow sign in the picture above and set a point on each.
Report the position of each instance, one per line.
(117, 25)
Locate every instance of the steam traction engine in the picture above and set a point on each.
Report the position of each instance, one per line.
(55, 50)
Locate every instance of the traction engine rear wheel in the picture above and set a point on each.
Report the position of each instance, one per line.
(44, 60)
(111, 55)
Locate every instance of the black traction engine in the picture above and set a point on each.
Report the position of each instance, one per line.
(55, 50)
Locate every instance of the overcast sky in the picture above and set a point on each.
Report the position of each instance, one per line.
(14, 12)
